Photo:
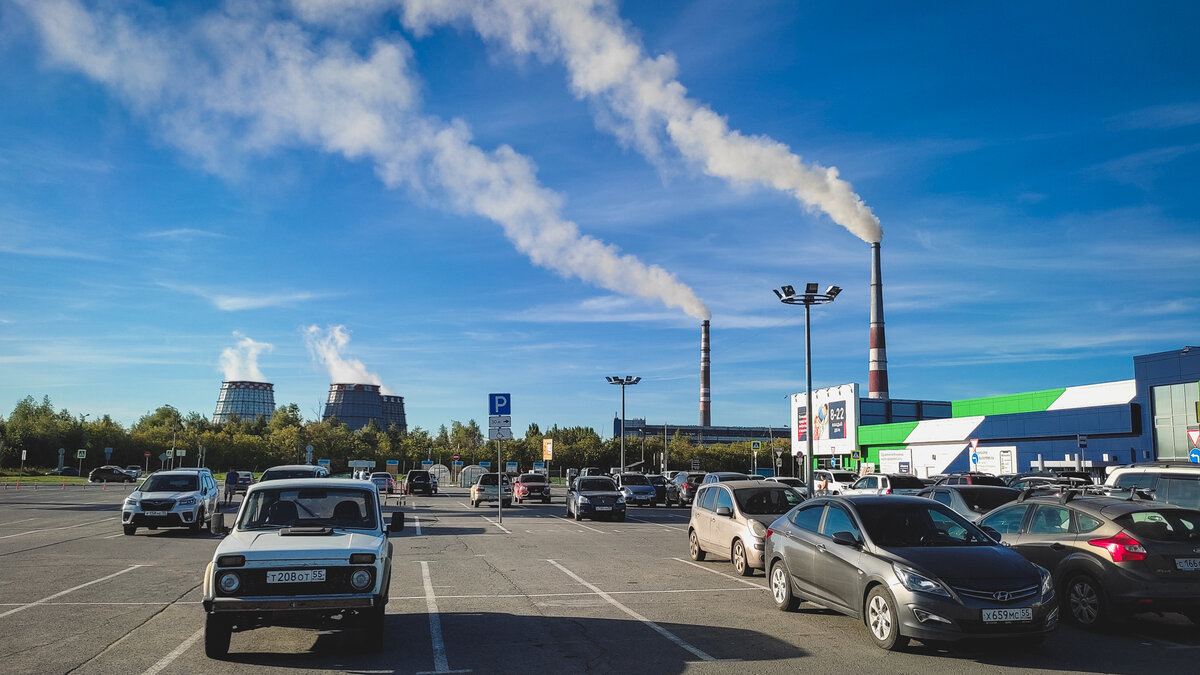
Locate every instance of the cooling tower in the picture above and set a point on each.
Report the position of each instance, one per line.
(877, 379)
(244, 400)
(357, 404)
(705, 391)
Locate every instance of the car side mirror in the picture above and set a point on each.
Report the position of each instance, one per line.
(845, 539)
(725, 511)
(216, 524)
(397, 523)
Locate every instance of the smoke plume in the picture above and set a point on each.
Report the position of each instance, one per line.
(240, 363)
(326, 348)
(639, 97)
(248, 78)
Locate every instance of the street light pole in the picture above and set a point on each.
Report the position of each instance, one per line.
(810, 297)
(627, 381)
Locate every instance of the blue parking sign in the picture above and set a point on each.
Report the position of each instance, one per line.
(499, 404)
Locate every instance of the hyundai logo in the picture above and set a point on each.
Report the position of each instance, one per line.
(1001, 596)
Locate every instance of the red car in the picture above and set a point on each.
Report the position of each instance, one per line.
(531, 486)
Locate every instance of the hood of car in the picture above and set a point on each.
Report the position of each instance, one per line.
(273, 545)
(600, 493)
(640, 488)
(968, 565)
(165, 495)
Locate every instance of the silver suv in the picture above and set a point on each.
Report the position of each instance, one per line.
(1172, 482)
(730, 519)
(172, 499)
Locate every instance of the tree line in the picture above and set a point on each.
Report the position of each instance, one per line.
(40, 430)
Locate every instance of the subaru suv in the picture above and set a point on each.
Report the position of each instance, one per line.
(1110, 554)
(171, 499)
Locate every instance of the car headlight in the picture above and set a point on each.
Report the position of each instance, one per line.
(1047, 580)
(757, 528)
(229, 583)
(130, 502)
(915, 581)
(361, 579)
(584, 500)
(620, 500)
(187, 501)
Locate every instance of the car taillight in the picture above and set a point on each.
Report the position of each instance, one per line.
(1122, 547)
(887, 491)
(769, 533)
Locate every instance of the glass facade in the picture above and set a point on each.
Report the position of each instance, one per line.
(244, 400)
(1174, 409)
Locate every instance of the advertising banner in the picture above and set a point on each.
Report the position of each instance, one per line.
(834, 420)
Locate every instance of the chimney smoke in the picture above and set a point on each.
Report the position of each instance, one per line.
(877, 379)
(705, 398)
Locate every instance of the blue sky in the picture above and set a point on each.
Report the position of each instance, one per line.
(350, 192)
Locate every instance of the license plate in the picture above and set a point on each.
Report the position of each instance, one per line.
(294, 576)
(155, 513)
(604, 508)
(1008, 615)
(1190, 564)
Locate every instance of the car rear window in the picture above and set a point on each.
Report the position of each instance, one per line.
(906, 482)
(984, 500)
(844, 476)
(766, 500)
(532, 478)
(986, 480)
(695, 478)
(1163, 525)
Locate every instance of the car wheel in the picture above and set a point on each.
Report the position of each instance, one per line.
(781, 588)
(694, 549)
(619, 518)
(882, 621)
(195, 526)
(129, 529)
(217, 631)
(576, 510)
(372, 629)
(1086, 602)
(738, 555)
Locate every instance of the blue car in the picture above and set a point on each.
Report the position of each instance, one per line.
(637, 489)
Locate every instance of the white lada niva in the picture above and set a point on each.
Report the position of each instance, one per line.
(310, 553)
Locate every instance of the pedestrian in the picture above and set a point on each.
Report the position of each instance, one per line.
(231, 481)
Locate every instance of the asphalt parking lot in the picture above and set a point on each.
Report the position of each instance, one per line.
(535, 593)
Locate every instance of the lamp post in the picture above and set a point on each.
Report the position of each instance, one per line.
(627, 381)
(788, 296)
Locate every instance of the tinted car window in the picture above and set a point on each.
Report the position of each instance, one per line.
(1007, 521)
(160, 483)
(912, 525)
(1049, 519)
(868, 483)
(809, 517)
(839, 521)
(1137, 480)
(709, 498)
(982, 500)
(766, 501)
(1173, 525)
(1086, 522)
(906, 482)
(1182, 491)
(942, 496)
(844, 476)
(530, 478)
(723, 499)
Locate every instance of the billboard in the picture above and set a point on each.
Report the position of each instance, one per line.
(835, 421)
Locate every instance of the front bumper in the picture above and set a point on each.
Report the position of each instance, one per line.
(292, 603)
(171, 519)
(964, 620)
(590, 510)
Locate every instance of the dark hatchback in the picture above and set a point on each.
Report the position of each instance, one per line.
(909, 567)
(419, 482)
(110, 474)
(682, 488)
(1110, 555)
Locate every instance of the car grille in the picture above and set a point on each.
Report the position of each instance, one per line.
(1000, 628)
(1007, 595)
(157, 504)
(602, 501)
(337, 581)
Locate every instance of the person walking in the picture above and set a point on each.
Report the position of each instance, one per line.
(231, 481)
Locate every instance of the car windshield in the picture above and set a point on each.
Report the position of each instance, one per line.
(532, 478)
(731, 476)
(1163, 525)
(982, 500)
(844, 476)
(164, 483)
(279, 474)
(766, 500)
(594, 484)
(906, 525)
(695, 478)
(634, 479)
(348, 508)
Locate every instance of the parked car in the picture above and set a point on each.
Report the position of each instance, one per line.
(1109, 555)
(1171, 482)
(797, 484)
(293, 471)
(110, 473)
(1030, 482)
(721, 476)
(909, 567)
(730, 519)
(660, 488)
(886, 484)
(63, 471)
(595, 497)
(418, 481)
(490, 488)
(682, 488)
(971, 478)
(637, 489)
(531, 486)
(971, 501)
(134, 470)
(171, 499)
(833, 481)
(307, 553)
(385, 483)
(244, 480)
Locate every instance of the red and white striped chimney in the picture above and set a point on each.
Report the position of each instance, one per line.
(705, 399)
(877, 379)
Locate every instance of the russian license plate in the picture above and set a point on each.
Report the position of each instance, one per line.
(294, 576)
(155, 513)
(604, 508)
(1008, 615)
(1190, 564)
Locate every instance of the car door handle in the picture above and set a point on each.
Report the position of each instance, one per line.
(821, 548)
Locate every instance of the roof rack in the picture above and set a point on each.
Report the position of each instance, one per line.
(1068, 492)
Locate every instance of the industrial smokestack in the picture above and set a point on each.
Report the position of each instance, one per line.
(877, 380)
(705, 398)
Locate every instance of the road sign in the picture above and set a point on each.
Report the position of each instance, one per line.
(1194, 435)
(456, 463)
(107, 454)
(905, 467)
(181, 452)
(323, 462)
(486, 465)
(456, 457)
(974, 443)
(499, 404)
(1082, 440)
(511, 467)
(361, 464)
(162, 457)
(1194, 456)
(426, 464)
(500, 433)
(695, 465)
(80, 453)
(756, 445)
(855, 454)
(499, 420)
(23, 455)
(547, 448)
(392, 462)
(145, 454)
(974, 457)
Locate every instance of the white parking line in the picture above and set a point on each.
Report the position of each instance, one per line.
(577, 594)
(417, 523)
(48, 529)
(69, 590)
(657, 628)
(727, 576)
(506, 530)
(578, 524)
(175, 653)
(440, 663)
(673, 528)
(14, 522)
